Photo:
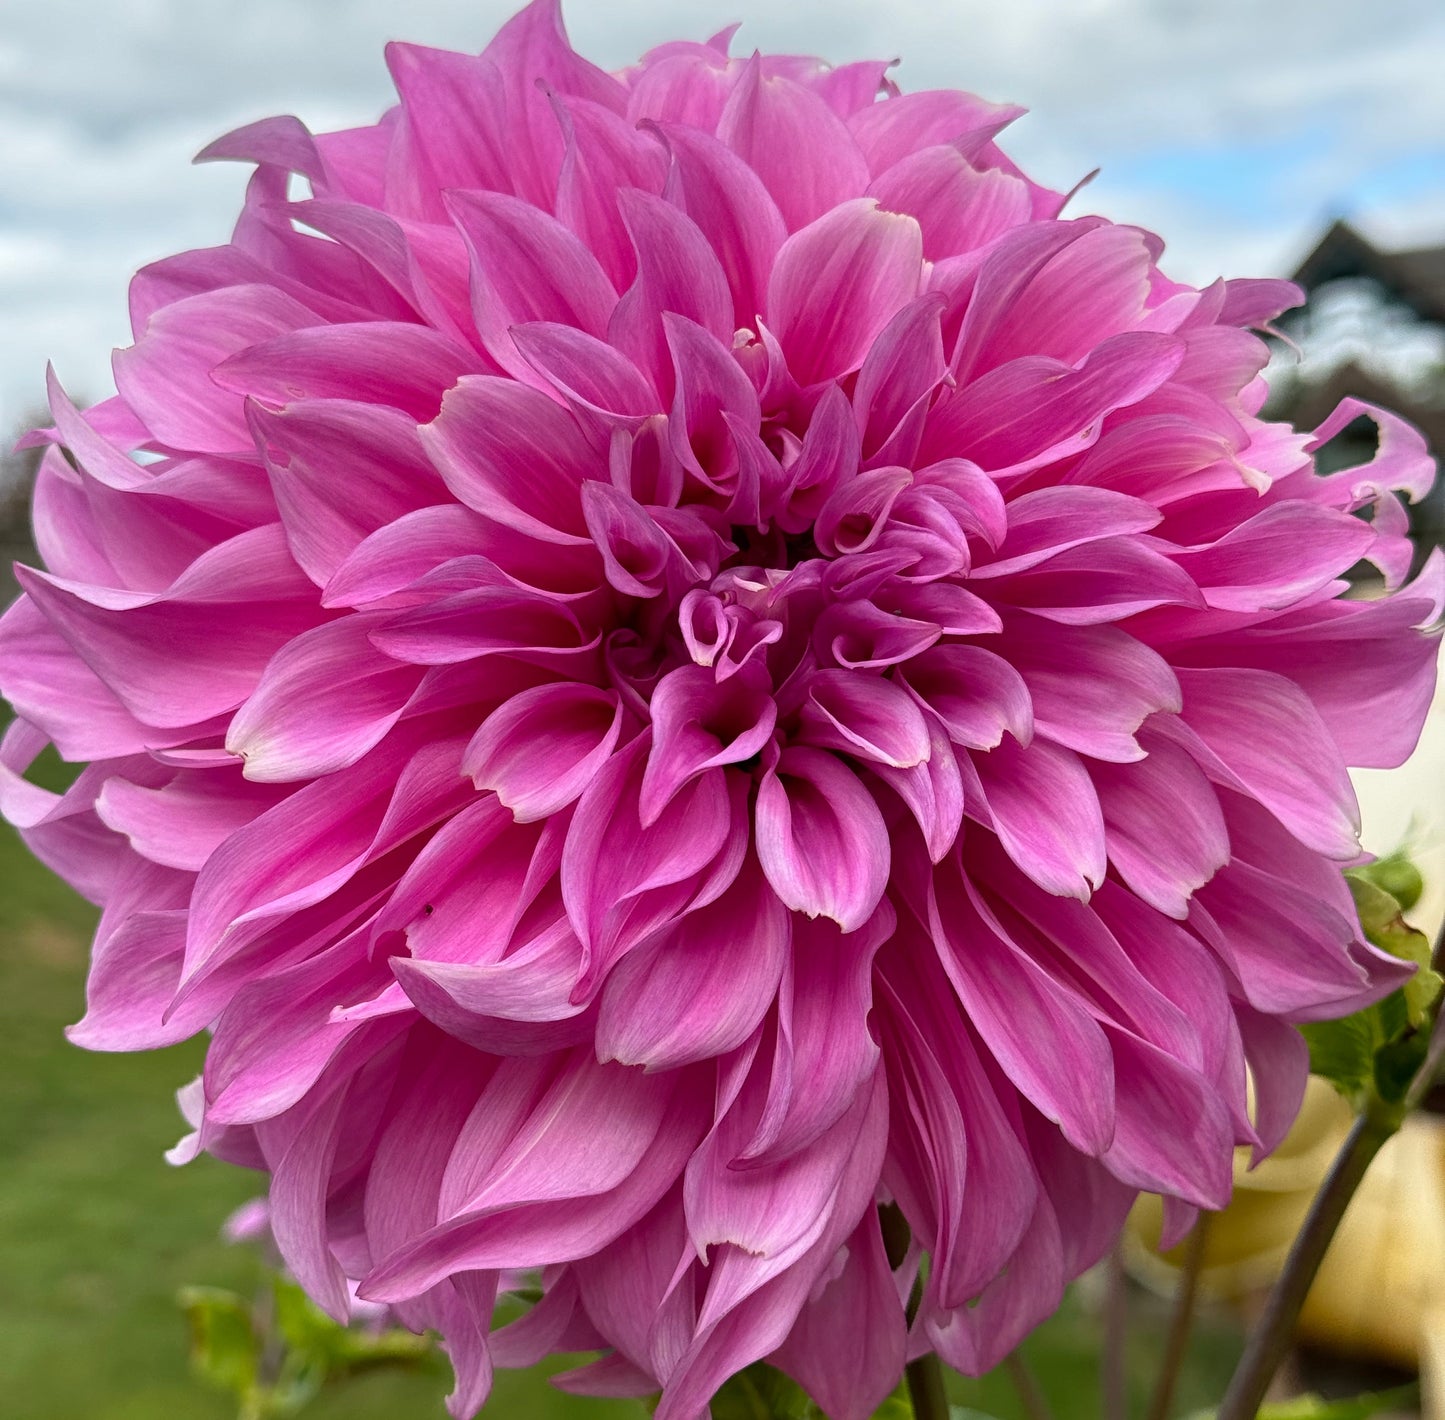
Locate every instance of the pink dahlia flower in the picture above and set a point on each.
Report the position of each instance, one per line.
(670, 656)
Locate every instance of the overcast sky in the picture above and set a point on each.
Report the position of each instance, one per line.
(1236, 128)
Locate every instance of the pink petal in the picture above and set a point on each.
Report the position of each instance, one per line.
(1252, 725)
(699, 724)
(820, 838)
(676, 272)
(790, 137)
(406, 367)
(1163, 825)
(1046, 814)
(166, 375)
(837, 282)
(527, 267)
(730, 204)
(541, 749)
(701, 987)
(959, 207)
(847, 1346)
(531, 485)
(869, 718)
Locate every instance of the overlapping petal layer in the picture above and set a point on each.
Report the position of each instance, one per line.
(668, 657)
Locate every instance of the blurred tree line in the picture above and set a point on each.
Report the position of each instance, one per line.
(17, 483)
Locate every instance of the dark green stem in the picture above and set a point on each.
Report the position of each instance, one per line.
(925, 1388)
(1271, 1339)
(1182, 1322)
(1113, 1367)
(925, 1375)
(1031, 1393)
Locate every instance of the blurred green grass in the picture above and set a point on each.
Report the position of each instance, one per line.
(98, 1232)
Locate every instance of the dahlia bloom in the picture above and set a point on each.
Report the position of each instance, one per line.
(670, 656)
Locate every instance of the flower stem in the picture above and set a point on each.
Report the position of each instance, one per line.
(924, 1375)
(925, 1388)
(1031, 1393)
(1182, 1322)
(1114, 1366)
(1271, 1339)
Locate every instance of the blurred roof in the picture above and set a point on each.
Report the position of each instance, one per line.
(1416, 277)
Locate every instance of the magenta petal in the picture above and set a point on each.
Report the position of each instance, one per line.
(557, 1228)
(802, 151)
(181, 823)
(325, 699)
(1091, 687)
(1249, 721)
(1046, 814)
(888, 132)
(528, 267)
(902, 368)
(1162, 821)
(700, 724)
(1171, 1133)
(1035, 408)
(838, 282)
(820, 837)
(613, 866)
(981, 1188)
(1289, 951)
(1000, 987)
(729, 202)
(932, 790)
(132, 985)
(166, 376)
(847, 1346)
(543, 747)
(1280, 1064)
(869, 718)
(699, 988)
(676, 272)
(405, 367)
(532, 487)
(209, 615)
(826, 1052)
(1277, 557)
(298, 1208)
(975, 694)
(388, 475)
(1052, 520)
(959, 207)
(752, 1302)
(593, 375)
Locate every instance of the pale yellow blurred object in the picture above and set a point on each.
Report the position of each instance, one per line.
(1380, 1293)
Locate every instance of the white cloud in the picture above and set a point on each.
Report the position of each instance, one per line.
(103, 104)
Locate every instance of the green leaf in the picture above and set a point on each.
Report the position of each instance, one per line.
(763, 1393)
(1378, 1050)
(1343, 1051)
(896, 1407)
(225, 1350)
(1382, 917)
(1355, 1407)
(1396, 875)
(1397, 1064)
(321, 1346)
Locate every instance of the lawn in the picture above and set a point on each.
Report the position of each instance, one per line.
(98, 1233)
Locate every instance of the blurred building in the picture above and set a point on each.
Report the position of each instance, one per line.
(1372, 326)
